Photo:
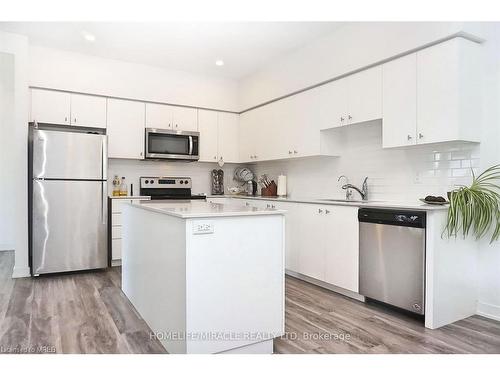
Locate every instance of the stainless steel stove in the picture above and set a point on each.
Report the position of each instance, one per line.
(168, 188)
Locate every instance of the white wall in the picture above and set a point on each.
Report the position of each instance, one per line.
(199, 172)
(13, 176)
(392, 173)
(63, 70)
(350, 47)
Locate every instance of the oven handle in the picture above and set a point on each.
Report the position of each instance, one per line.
(190, 145)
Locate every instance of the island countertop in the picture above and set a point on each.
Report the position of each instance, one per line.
(186, 209)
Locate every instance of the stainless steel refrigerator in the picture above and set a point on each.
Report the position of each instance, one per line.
(68, 200)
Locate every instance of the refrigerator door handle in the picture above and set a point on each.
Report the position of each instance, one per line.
(104, 204)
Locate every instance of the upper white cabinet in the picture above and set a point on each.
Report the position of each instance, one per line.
(62, 108)
(219, 136)
(162, 116)
(51, 107)
(448, 92)
(88, 110)
(228, 137)
(125, 129)
(208, 128)
(433, 95)
(354, 99)
(400, 102)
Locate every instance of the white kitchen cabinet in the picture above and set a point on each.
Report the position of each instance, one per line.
(159, 116)
(125, 129)
(310, 242)
(448, 92)
(163, 116)
(228, 137)
(62, 108)
(365, 96)
(341, 242)
(185, 119)
(334, 103)
(51, 107)
(219, 136)
(248, 135)
(400, 102)
(208, 127)
(88, 111)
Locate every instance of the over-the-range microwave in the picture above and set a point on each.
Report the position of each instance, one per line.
(172, 144)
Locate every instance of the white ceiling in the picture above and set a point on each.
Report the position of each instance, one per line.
(193, 47)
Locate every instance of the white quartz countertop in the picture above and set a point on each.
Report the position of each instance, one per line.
(200, 209)
(410, 205)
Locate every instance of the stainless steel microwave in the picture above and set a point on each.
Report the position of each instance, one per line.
(172, 144)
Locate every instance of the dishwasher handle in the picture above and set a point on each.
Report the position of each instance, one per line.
(403, 218)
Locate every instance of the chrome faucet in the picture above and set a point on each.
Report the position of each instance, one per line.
(363, 191)
(348, 191)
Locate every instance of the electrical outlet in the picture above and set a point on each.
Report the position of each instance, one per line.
(203, 227)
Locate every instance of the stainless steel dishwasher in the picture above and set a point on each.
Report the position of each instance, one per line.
(392, 257)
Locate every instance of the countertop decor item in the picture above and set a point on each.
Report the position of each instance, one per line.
(475, 209)
(434, 202)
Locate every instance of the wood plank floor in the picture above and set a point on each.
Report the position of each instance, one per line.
(88, 313)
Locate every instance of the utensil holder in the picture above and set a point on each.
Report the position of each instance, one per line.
(270, 191)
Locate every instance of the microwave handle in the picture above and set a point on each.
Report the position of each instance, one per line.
(190, 145)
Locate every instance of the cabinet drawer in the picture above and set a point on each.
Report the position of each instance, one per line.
(116, 232)
(116, 219)
(116, 249)
(117, 205)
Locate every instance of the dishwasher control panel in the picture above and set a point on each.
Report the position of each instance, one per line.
(392, 217)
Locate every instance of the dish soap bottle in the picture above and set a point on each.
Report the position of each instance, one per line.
(116, 186)
(123, 188)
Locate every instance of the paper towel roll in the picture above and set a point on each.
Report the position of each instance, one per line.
(282, 185)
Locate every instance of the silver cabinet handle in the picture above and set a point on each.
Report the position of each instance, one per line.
(320, 211)
(350, 117)
(268, 205)
(327, 211)
(409, 137)
(295, 152)
(75, 120)
(420, 136)
(273, 206)
(215, 157)
(65, 119)
(342, 119)
(289, 152)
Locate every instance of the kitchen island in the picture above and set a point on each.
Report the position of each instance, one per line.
(206, 277)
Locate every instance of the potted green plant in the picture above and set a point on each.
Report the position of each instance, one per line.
(475, 209)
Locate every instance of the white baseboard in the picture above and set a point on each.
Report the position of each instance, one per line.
(19, 272)
(116, 263)
(488, 311)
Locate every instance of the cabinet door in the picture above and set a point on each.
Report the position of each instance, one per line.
(247, 134)
(208, 135)
(50, 107)
(125, 129)
(292, 231)
(341, 244)
(185, 119)
(159, 116)
(399, 90)
(305, 124)
(334, 103)
(88, 110)
(365, 95)
(228, 137)
(311, 259)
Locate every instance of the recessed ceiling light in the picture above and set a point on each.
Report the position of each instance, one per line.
(219, 62)
(88, 36)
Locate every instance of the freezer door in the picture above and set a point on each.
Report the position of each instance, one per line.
(66, 155)
(69, 226)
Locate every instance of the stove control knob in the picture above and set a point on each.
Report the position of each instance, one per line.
(186, 182)
(151, 181)
(146, 182)
(182, 182)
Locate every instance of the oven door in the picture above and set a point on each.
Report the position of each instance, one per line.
(172, 144)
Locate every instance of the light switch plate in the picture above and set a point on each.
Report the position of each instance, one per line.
(203, 227)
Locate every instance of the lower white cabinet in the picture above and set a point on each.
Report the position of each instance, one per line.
(116, 227)
(322, 241)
